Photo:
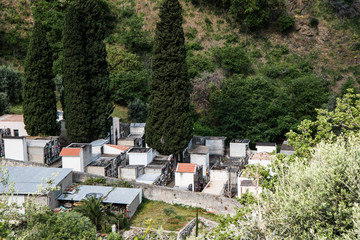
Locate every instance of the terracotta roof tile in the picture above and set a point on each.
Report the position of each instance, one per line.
(70, 152)
(12, 118)
(120, 147)
(186, 167)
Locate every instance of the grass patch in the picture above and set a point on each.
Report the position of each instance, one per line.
(170, 217)
(120, 112)
(16, 108)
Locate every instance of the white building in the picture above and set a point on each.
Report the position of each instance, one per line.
(266, 147)
(77, 156)
(287, 149)
(28, 180)
(260, 158)
(200, 155)
(15, 124)
(239, 147)
(248, 186)
(185, 176)
(140, 156)
(15, 148)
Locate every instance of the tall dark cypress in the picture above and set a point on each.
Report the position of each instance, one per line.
(39, 101)
(169, 124)
(86, 80)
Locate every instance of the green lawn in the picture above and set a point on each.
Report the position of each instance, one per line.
(170, 217)
(16, 109)
(120, 112)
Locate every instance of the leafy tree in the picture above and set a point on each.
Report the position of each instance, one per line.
(51, 14)
(235, 60)
(4, 104)
(128, 78)
(344, 120)
(39, 89)
(198, 64)
(137, 111)
(86, 80)
(316, 199)
(99, 214)
(11, 83)
(169, 124)
(66, 225)
(285, 22)
(246, 108)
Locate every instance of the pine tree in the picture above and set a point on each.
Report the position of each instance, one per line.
(86, 80)
(169, 124)
(39, 88)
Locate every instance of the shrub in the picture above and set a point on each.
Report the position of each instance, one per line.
(345, 8)
(198, 64)
(11, 83)
(169, 211)
(285, 22)
(235, 60)
(137, 111)
(314, 22)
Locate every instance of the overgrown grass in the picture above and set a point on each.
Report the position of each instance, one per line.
(170, 217)
(120, 112)
(16, 109)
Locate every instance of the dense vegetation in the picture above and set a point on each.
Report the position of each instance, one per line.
(297, 52)
(39, 101)
(314, 194)
(86, 80)
(169, 122)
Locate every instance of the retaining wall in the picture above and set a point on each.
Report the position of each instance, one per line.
(212, 203)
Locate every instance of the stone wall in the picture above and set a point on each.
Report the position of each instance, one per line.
(212, 203)
(16, 163)
(185, 231)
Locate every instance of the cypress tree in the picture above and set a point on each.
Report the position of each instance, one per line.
(169, 124)
(86, 80)
(39, 101)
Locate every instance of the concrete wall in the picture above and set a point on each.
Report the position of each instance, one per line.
(215, 204)
(260, 162)
(133, 206)
(16, 148)
(72, 163)
(268, 149)
(14, 126)
(153, 170)
(201, 160)
(238, 149)
(130, 173)
(217, 146)
(111, 150)
(127, 142)
(96, 170)
(136, 158)
(184, 179)
(17, 163)
(219, 174)
(19, 200)
(36, 154)
(287, 152)
(137, 130)
(86, 155)
(97, 149)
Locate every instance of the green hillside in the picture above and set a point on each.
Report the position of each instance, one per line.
(279, 59)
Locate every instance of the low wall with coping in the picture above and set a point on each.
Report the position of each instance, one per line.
(212, 203)
(17, 163)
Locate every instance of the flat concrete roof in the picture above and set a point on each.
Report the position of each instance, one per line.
(147, 178)
(117, 196)
(215, 187)
(139, 150)
(27, 179)
(199, 149)
(99, 142)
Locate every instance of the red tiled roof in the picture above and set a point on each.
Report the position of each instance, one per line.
(186, 167)
(12, 118)
(70, 152)
(120, 147)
